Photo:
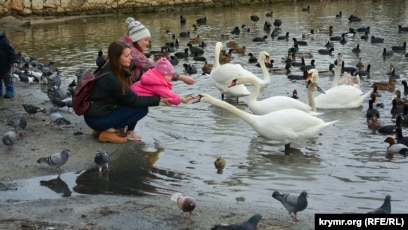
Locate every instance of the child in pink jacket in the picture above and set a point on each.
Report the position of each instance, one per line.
(157, 82)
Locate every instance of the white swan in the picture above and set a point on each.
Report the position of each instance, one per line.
(344, 79)
(222, 75)
(269, 104)
(338, 97)
(286, 125)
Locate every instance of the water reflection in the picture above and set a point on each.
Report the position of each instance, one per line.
(57, 185)
(131, 172)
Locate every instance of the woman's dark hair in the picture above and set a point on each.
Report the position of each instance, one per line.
(115, 50)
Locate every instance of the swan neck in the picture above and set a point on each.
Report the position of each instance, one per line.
(217, 51)
(310, 96)
(240, 113)
(265, 72)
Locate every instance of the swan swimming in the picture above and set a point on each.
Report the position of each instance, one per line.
(286, 125)
(338, 97)
(222, 75)
(269, 104)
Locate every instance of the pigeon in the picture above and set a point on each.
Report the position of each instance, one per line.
(102, 159)
(56, 160)
(9, 138)
(385, 208)
(19, 126)
(57, 80)
(250, 224)
(57, 119)
(292, 203)
(32, 109)
(185, 203)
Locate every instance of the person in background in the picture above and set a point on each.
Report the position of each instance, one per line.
(8, 59)
(114, 105)
(139, 40)
(157, 82)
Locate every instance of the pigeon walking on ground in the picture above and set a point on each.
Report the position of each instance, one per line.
(56, 119)
(102, 159)
(250, 224)
(385, 208)
(9, 138)
(292, 203)
(185, 203)
(19, 126)
(56, 160)
(32, 109)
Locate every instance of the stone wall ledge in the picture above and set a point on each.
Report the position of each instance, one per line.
(28, 8)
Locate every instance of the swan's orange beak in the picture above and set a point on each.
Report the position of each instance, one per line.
(233, 83)
(308, 77)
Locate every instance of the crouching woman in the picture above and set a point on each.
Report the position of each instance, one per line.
(114, 106)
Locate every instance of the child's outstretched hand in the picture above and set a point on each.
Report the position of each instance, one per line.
(185, 100)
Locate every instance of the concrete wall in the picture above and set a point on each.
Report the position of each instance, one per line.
(81, 7)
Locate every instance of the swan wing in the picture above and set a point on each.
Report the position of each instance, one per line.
(341, 96)
(276, 103)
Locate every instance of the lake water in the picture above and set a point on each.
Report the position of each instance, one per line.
(344, 169)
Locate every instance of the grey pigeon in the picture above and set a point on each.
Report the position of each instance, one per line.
(250, 224)
(57, 119)
(9, 138)
(19, 126)
(57, 80)
(102, 159)
(385, 208)
(56, 160)
(292, 203)
(32, 109)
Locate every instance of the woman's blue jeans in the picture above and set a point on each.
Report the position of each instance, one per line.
(118, 119)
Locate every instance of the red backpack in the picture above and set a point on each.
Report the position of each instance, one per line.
(83, 90)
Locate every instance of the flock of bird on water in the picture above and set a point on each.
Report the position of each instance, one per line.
(281, 118)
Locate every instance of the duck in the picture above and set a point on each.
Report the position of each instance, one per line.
(294, 77)
(338, 97)
(277, 23)
(184, 34)
(173, 60)
(365, 36)
(207, 68)
(390, 129)
(284, 37)
(195, 40)
(393, 74)
(202, 20)
(328, 51)
(399, 99)
(199, 58)
(327, 72)
(307, 67)
(365, 72)
(399, 137)
(402, 28)
(309, 34)
(363, 29)
(400, 48)
(286, 125)
(386, 85)
(232, 44)
(189, 68)
(356, 49)
(329, 44)
(375, 39)
(182, 54)
(301, 43)
(371, 111)
(183, 20)
(354, 18)
(236, 30)
(195, 49)
(328, 31)
(269, 104)
(100, 60)
(405, 85)
(260, 39)
(340, 14)
(222, 75)
(295, 94)
(286, 70)
(373, 123)
(307, 9)
(395, 108)
(396, 148)
(360, 64)
(252, 58)
(225, 57)
(219, 164)
(387, 53)
(254, 18)
(240, 50)
(267, 26)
